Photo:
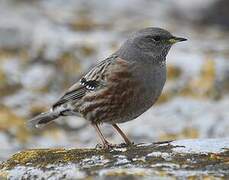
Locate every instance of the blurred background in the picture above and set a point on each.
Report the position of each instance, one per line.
(45, 46)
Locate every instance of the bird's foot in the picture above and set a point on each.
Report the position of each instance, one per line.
(122, 145)
(130, 144)
(106, 145)
(98, 146)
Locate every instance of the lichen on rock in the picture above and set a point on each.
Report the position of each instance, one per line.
(183, 159)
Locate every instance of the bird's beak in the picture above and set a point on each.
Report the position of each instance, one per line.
(174, 39)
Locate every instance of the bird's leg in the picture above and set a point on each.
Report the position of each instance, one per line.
(106, 144)
(127, 141)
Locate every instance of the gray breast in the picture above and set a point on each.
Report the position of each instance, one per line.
(152, 82)
(157, 80)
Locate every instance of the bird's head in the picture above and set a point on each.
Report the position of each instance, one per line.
(154, 41)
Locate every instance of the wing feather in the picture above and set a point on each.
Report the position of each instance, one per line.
(89, 82)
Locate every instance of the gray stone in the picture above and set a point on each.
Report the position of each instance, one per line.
(163, 160)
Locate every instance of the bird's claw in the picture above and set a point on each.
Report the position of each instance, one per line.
(106, 145)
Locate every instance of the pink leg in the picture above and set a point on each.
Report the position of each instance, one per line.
(128, 142)
(106, 144)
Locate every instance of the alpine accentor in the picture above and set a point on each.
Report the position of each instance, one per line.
(121, 87)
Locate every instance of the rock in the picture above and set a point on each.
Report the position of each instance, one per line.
(205, 12)
(33, 74)
(87, 24)
(217, 14)
(206, 158)
(204, 84)
(12, 125)
(189, 10)
(8, 85)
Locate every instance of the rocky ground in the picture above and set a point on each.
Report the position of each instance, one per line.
(189, 159)
(45, 46)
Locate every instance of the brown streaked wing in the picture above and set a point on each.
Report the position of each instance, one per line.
(78, 90)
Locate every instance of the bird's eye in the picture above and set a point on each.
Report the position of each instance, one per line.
(157, 38)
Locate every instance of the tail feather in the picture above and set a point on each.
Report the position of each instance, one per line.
(42, 119)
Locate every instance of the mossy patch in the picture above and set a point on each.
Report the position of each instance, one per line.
(85, 23)
(7, 88)
(43, 157)
(203, 85)
(154, 158)
(173, 72)
(187, 132)
(9, 121)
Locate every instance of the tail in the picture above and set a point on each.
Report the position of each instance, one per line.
(42, 119)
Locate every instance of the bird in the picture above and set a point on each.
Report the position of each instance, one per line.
(119, 88)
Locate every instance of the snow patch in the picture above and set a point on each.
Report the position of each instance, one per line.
(69, 171)
(201, 145)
